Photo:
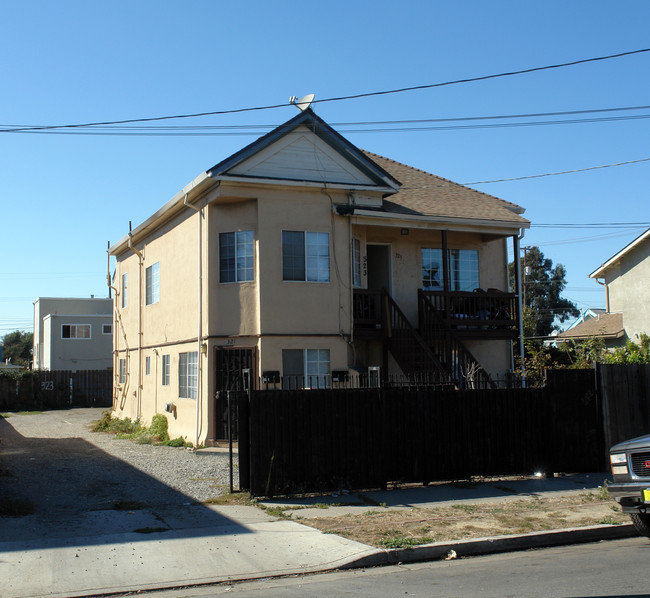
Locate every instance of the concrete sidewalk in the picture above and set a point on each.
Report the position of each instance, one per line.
(200, 544)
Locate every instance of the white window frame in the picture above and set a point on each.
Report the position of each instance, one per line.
(125, 287)
(188, 375)
(147, 365)
(165, 369)
(152, 284)
(122, 371)
(316, 367)
(356, 263)
(455, 259)
(74, 332)
(312, 261)
(242, 246)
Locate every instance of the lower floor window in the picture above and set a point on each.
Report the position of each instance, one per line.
(188, 375)
(306, 368)
(122, 375)
(165, 370)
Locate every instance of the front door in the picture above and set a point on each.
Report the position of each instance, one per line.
(379, 272)
(230, 363)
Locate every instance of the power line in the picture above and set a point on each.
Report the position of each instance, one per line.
(335, 99)
(250, 130)
(537, 176)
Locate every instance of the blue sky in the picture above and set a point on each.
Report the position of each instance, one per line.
(64, 197)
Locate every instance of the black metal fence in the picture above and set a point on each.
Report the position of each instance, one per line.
(318, 440)
(56, 390)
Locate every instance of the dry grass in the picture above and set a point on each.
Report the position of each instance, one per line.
(383, 527)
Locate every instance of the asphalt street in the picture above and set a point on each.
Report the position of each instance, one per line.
(610, 568)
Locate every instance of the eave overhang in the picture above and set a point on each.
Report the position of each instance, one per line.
(190, 194)
(600, 272)
(377, 218)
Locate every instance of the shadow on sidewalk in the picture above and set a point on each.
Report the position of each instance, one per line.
(54, 491)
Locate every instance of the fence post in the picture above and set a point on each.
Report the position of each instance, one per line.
(243, 416)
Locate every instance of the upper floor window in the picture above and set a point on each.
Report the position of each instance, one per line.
(463, 271)
(75, 331)
(356, 263)
(152, 284)
(188, 375)
(125, 284)
(236, 256)
(147, 365)
(305, 256)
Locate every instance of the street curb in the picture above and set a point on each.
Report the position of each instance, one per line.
(493, 545)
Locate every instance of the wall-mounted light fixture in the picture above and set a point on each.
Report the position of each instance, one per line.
(204, 348)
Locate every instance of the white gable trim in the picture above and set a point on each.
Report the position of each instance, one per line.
(301, 156)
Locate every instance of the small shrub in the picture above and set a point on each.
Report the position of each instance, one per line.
(158, 428)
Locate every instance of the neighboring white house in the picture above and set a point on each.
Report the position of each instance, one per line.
(625, 276)
(73, 334)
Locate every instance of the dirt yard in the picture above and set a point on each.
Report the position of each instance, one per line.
(389, 528)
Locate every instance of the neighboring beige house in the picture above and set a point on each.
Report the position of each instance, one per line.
(73, 334)
(303, 261)
(626, 277)
(608, 326)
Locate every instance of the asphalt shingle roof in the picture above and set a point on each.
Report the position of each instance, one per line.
(426, 194)
(606, 325)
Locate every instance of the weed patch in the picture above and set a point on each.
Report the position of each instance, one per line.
(127, 429)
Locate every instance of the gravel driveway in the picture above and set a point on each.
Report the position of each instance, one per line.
(53, 462)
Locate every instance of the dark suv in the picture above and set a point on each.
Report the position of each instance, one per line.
(630, 462)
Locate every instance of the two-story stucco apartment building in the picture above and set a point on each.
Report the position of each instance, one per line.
(302, 259)
(73, 333)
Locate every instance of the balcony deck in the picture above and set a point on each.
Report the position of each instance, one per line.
(488, 314)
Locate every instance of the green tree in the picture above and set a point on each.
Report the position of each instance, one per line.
(18, 347)
(542, 286)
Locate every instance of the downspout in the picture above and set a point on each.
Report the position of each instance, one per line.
(140, 262)
(606, 293)
(199, 336)
(116, 320)
(520, 310)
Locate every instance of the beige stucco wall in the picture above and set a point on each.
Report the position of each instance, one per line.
(266, 314)
(629, 290)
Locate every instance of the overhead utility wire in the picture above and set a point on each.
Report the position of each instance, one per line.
(360, 123)
(339, 98)
(537, 176)
(216, 131)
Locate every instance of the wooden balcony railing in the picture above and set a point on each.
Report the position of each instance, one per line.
(492, 311)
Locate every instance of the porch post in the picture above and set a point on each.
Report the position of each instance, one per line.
(520, 311)
(445, 293)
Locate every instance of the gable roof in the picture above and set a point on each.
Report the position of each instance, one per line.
(600, 272)
(408, 193)
(607, 325)
(425, 194)
(343, 159)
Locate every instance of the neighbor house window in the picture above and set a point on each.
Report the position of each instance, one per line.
(188, 375)
(356, 263)
(125, 285)
(305, 256)
(236, 256)
(165, 370)
(152, 284)
(122, 375)
(75, 331)
(463, 272)
(107, 328)
(147, 365)
(306, 368)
